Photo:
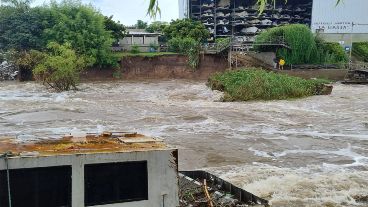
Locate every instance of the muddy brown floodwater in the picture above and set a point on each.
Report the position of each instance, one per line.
(305, 152)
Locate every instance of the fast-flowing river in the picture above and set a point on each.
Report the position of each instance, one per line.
(305, 152)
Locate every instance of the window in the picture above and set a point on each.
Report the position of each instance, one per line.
(37, 187)
(115, 183)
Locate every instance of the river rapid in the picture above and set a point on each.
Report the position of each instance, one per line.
(305, 152)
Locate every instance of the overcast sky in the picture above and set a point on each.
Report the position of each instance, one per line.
(129, 11)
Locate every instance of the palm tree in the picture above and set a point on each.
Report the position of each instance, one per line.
(154, 9)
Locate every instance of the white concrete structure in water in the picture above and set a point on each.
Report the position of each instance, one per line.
(114, 170)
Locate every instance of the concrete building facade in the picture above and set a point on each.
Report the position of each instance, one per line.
(139, 37)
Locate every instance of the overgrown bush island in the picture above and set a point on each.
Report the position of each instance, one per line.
(256, 84)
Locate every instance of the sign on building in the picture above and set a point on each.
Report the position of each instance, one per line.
(327, 17)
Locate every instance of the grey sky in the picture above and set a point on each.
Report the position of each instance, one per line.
(129, 11)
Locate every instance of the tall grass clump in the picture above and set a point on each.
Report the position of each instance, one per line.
(255, 84)
(305, 48)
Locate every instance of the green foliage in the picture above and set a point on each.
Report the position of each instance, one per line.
(156, 26)
(154, 46)
(27, 60)
(135, 49)
(304, 47)
(141, 24)
(117, 74)
(187, 46)
(60, 67)
(187, 28)
(255, 84)
(298, 37)
(22, 27)
(84, 28)
(361, 49)
(223, 42)
(118, 31)
(330, 52)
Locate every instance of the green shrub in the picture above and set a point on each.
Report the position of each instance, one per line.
(187, 46)
(304, 47)
(60, 67)
(186, 28)
(135, 49)
(330, 52)
(361, 49)
(154, 46)
(255, 84)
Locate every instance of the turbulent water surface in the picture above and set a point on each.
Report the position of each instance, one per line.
(306, 152)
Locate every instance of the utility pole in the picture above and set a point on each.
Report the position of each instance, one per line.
(351, 44)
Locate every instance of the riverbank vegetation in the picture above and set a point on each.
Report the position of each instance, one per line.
(360, 49)
(82, 27)
(60, 67)
(255, 84)
(185, 37)
(302, 47)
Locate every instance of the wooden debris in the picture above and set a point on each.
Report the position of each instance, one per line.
(209, 201)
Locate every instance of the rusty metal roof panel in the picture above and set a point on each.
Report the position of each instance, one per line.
(107, 142)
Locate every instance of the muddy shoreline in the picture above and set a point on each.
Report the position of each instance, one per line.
(175, 67)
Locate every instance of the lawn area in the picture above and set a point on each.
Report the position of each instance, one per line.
(142, 54)
(255, 84)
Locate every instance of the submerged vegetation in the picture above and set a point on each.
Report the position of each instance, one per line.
(60, 67)
(304, 47)
(255, 84)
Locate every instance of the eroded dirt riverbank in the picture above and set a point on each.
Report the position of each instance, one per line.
(307, 152)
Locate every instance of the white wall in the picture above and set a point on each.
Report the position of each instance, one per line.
(183, 8)
(162, 174)
(338, 19)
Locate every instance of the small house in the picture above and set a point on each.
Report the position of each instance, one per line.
(142, 39)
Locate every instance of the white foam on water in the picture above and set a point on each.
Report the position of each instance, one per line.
(307, 186)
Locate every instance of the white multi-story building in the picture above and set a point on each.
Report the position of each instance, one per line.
(240, 18)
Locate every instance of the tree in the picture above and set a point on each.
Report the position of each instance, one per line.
(141, 24)
(22, 26)
(84, 28)
(60, 67)
(187, 28)
(118, 31)
(157, 26)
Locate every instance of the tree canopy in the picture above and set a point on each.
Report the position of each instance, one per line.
(157, 26)
(186, 28)
(24, 28)
(141, 24)
(83, 27)
(60, 67)
(118, 31)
